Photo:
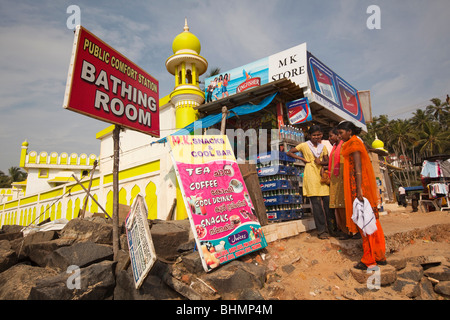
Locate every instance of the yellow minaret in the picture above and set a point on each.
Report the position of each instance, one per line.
(23, 154)
(187, 65)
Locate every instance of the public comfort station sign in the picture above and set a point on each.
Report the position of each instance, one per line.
(104, 84)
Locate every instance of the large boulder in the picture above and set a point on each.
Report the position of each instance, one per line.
(80, 254)
(5, 245)
(8, 258)
(39, 236)
(408, 287)
(426, 290)
(412, 271)
(39, 252)
(387, 274)
(235, 276)
(153, 288)
(443, 288)
(95, 282)
(11, 228)
(11, 236)
(80, 230)
(192, 262)
(17, 281)
(21, 245)
(168, 236)
(440, 272)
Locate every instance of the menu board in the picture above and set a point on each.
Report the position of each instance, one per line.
(140, 243)
(222, 216)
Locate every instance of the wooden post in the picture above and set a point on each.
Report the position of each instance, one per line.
(115, 218)
(89, 190)
(90, 195)
(172, 210)
(251, 180)
(224, 120)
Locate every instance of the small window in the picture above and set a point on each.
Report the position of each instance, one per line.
(188, 76)
(84, 173)
(43, 173)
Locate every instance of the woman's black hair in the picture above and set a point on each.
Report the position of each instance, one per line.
(334, 130)
(314, 128)
(349, 126)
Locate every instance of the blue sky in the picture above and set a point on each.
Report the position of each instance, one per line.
(404, 64)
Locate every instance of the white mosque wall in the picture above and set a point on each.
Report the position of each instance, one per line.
(143, 168)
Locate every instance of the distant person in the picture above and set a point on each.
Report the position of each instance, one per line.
(415, 202)
(315, 155)
(360, 183)
(402, 196)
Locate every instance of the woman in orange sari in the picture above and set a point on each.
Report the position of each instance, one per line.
(359, 182)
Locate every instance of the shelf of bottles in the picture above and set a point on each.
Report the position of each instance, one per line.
(280, 182)
(292, 134)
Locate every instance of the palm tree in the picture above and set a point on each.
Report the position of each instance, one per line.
(433, 140)
(438, 109)
(16, 174)
(379, 127)
(400, 136)
(5, 181)
(419, 119)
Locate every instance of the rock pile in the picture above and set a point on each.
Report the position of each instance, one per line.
(76, 263)
(419, 278)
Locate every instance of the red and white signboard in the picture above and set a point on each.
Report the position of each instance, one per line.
(104, 84)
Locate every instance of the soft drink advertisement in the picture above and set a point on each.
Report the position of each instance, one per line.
(333, 92)
(299, 111)
(220, 210)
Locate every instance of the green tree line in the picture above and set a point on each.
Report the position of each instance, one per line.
(425, 133)
(15, 175)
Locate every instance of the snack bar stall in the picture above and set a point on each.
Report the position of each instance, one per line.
(266, 107)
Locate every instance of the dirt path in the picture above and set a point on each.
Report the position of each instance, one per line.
(305, 267)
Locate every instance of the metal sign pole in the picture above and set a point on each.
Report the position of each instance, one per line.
(116, 134)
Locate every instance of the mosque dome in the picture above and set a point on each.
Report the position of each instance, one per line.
(25, 143)
(377, 144)
(186, 42)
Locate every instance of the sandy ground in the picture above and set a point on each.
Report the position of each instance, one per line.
(305, 267)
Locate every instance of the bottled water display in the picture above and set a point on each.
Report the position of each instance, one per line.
(292, 133)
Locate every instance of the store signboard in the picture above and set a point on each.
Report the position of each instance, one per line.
(299, 111)
(104, 84)
(140, 243)
(221, 213)
(290, 64)
(333, 92)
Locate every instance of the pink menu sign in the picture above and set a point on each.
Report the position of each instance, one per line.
(219, 207)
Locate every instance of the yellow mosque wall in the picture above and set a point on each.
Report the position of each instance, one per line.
(66, 201)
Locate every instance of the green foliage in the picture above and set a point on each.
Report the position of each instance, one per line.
(425, 134)
(15, 175)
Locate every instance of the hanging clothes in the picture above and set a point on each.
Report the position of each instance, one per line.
(430, 169)
(438, 190)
